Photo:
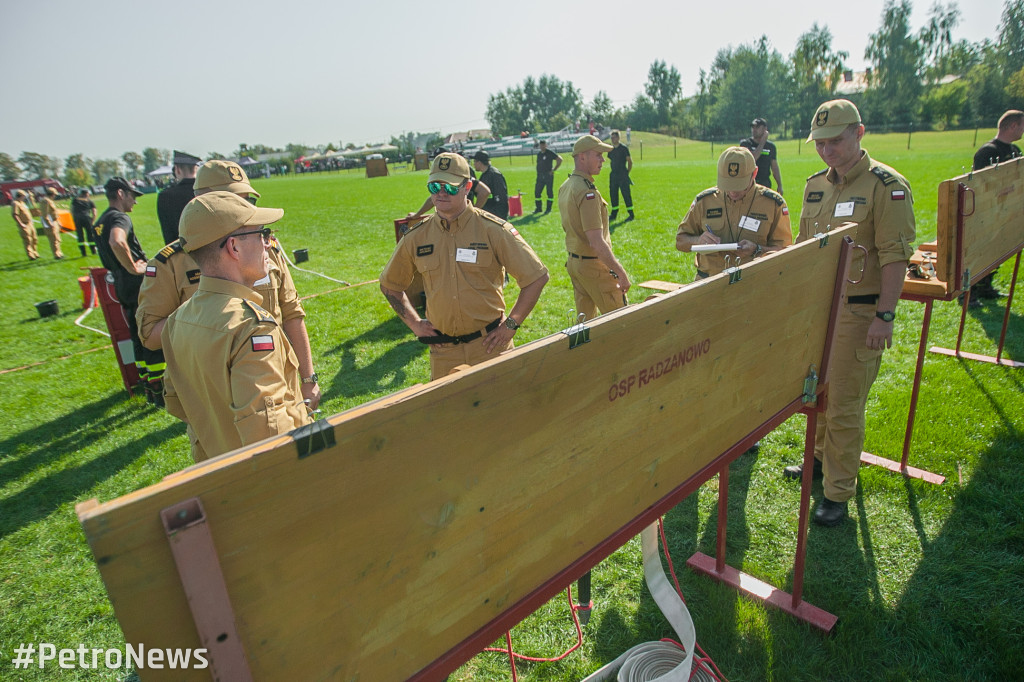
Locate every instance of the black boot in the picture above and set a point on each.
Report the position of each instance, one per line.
(631, 217)
(549, 207)
(830, 513)
(614, 214)
(797, 470)
(81, 249)
(538, 208)
(156, 390)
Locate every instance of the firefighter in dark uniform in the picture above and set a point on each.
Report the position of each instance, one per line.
(122, 255)
(618, 178)
(171, 202)
(545, 175)
(495, 203)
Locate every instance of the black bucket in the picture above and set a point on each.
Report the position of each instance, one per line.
(301, 255)
(47, 308)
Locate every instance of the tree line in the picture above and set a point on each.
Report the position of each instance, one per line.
(923, 80)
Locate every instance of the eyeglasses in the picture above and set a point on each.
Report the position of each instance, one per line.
(265, 232)
(251, 199)
(449, 188)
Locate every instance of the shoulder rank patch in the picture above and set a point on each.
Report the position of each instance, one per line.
(885, 176)
(425, 250)
(821, 172)
(590, 185)
(169, 250)
(261, 342)
(410, 229)
(262, 314)
(193, 276)
(898, 195)
(706, 193)
(493, 218)
(274, 244)
(775, 196)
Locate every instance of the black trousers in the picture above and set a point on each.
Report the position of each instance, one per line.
(544, 180)
(620, 184)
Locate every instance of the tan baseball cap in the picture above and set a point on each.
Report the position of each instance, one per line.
(221, 175)
(832, 118)
(735, 169)
(449, 167)
(588, 142)
(52, 191)
(217, 214)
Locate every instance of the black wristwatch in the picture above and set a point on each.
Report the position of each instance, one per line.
(886, 316)
(511, 324)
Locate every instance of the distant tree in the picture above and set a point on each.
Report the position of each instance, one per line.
(642, 114)
(77, 177)
(936, 38)
(600, 108)
(1011, 36)
(756, 84)
(104, 169)
(943, 104)
(133, 161)
(987, 86)
(9, 169)
(816, 72)
(153, 158)
(35, 165)
(662, 88)
(295, 151)
(538, 105)
(1015, 86)
(896, 57)
(210, 156)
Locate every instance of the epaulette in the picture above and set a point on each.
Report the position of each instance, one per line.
(823, 170)
(706, 193)
(169, 250)
(493, 218)
(418, 224)
(885, 176)
(774, 196)
(262, 314)
(274, 244)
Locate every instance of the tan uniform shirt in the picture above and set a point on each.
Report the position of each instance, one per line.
(231, 373)
(172, 276)
(463, 265)
(875, 197)
(760, 216)
(48, 213)
(582, 208)
(22, 214)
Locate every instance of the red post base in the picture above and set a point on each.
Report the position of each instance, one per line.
(762, 591)
(908, 471)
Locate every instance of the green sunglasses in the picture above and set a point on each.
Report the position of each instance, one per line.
(436, 187)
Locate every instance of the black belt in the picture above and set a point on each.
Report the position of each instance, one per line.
(456, 340)
(582, 257)
(866, 299)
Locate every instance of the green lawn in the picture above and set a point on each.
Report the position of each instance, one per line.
(927, 581)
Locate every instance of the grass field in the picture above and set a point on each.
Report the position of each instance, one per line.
(927, 581)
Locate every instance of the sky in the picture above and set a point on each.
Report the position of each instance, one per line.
(103, 77)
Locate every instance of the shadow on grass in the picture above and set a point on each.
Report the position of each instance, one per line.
(386, 371)
(43, 497)
(990, 317)
(964, 604)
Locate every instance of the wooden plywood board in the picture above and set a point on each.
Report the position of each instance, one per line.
(440, 508)
(994, 227)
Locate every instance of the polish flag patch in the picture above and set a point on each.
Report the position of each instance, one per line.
(514, 231)
(589, 195)
(150, 271)
(785, 210)
(899, 195)
(264, 342)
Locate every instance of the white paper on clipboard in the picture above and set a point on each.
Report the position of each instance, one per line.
(706, 248)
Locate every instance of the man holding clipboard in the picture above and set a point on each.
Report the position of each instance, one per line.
(737, 218)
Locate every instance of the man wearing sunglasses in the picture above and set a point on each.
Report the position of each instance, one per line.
(599, 281)
(232, 375)
(462, 253)
(172, 276)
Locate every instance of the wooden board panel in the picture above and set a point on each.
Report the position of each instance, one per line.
(993, 230)
(442, 507)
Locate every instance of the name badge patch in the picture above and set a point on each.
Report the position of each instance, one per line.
(465, 255)
(713, 213)
(262, 342)
(193, 276)
(814, 197)
(425, 250)
(844, 208)
(748, 223)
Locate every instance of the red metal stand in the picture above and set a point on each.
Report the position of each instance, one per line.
(117, 325)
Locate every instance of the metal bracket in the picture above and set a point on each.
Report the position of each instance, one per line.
(863, 263)
(811, 386)
(312, 438)
(578, 332)
(199, 569)
(822, 238)
(966, 283)
(734, 272)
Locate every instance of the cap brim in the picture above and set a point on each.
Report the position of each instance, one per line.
(826, 132)
(263, 216)
(136, 192)
(735, 184)
(450, 178)
(233, 187)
